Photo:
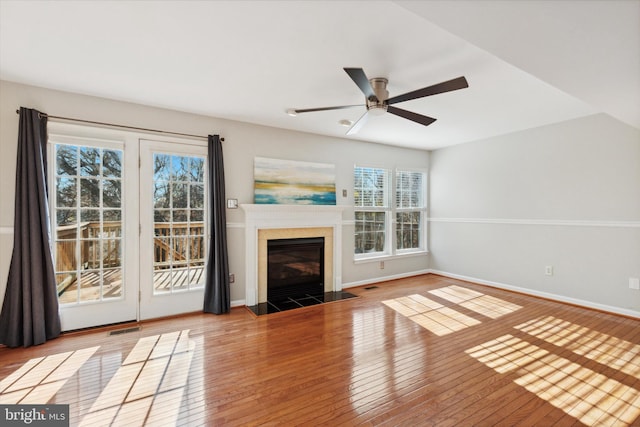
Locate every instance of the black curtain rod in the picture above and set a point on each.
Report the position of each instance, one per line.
(122, 126)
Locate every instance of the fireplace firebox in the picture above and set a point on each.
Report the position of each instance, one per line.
(295, 267)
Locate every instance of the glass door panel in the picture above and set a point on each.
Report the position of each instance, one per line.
(178, 202)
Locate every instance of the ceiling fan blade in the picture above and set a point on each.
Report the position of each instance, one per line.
(310, 110)
(418, 118)
(360, 78)
(448, 86)
(358, 124)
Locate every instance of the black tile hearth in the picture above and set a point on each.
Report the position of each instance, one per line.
(298, 301)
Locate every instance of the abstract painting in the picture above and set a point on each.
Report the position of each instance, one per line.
(289, 182)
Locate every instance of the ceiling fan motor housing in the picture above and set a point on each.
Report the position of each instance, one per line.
(379, 86)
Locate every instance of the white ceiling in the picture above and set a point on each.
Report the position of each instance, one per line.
(528, 63)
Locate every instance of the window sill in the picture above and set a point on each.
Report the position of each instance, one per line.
(385, 257)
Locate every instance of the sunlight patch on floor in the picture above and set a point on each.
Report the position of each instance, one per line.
(456, 294)
(600, 347)
(430, 314)
(38, 380)
(475, 301)
(442, 320)
(590, 397)
(490, 306)
(148, 387)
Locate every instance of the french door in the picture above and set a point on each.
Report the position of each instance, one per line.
(174, 231)
(93, 215)
(129, 229)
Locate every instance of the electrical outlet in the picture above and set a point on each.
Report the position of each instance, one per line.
(634, 283)
(548, 270)
(381, 265)
(232, 278)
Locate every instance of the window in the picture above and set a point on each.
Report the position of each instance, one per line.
(88, 231)
(179, 228)
(389, 219)
(409, 210)
(371, 199)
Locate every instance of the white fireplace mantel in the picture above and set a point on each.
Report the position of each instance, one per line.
(258, 217)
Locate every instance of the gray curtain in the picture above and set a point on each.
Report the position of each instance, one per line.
(217, 298)
(30, 309)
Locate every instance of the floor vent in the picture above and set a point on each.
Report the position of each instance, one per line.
(370, 287)
(124, 331)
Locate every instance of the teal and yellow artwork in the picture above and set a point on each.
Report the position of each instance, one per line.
(290, 182)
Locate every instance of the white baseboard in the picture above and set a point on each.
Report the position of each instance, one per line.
(238, 303)
(555, 297)
(384, 278)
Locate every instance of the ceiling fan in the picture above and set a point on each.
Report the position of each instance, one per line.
(378, 101)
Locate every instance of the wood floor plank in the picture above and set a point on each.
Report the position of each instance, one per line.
(363, 361)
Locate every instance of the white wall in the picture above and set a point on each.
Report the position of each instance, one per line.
(243, 143)
(566, 195)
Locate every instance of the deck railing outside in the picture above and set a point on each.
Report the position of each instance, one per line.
(176, 246)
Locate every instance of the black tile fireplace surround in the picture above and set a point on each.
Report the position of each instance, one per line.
(298, 301)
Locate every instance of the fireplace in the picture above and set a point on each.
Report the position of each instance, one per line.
(295, 267)
(275, 237)
(264, 223)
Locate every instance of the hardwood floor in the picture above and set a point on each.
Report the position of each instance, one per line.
(427, 350)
